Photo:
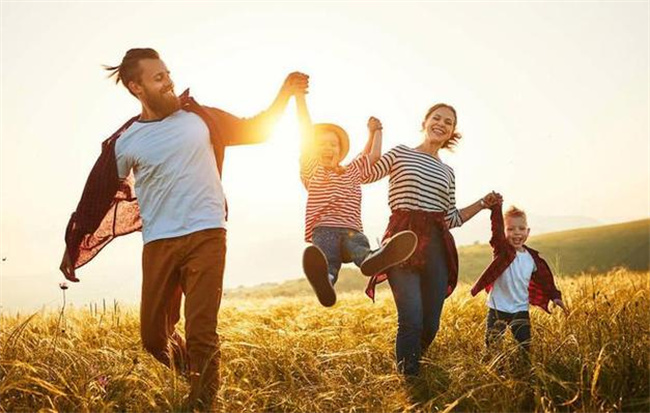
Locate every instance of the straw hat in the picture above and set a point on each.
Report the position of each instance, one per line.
(344, 141)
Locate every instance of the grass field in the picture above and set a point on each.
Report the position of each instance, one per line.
(289, 355)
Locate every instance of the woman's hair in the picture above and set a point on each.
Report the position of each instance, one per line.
(514, 212)
(129, 70)
(455, 136)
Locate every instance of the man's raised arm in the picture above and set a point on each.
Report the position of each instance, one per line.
(244, 131)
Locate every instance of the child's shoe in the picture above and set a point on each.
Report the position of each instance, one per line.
(314, 264)
(398, 249)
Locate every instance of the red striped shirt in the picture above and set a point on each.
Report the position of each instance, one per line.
(333, 198)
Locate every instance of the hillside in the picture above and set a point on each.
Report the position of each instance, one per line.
(571, 252)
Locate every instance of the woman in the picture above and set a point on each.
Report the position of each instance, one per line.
(421, 197)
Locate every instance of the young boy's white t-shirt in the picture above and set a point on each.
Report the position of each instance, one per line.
(510, 291)
(176, 178)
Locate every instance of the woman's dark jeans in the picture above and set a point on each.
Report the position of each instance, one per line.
(419, 298)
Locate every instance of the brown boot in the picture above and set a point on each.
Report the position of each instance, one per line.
(203, 392)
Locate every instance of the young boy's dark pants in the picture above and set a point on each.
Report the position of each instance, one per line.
(498, 321)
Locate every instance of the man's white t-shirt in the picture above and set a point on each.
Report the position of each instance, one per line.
(510, 291)
(176, 178)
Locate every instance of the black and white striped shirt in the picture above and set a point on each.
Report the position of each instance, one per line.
(418, 181)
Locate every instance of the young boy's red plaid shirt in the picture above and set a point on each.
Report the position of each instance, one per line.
(541, 288)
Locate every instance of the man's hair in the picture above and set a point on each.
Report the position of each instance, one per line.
(129, 70)
(514, 212)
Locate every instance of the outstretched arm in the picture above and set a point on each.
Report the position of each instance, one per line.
(487, 201)
(295, 84)
(242, 131)
(498, 228)
(307, 140)
(373, 146)
(308, 161)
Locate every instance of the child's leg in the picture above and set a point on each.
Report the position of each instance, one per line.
(328, 239)
(396, 250)
(496, 323)
(355, 247)
(314, 264)
(520, 327)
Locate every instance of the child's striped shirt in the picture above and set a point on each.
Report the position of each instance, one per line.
(333, 198)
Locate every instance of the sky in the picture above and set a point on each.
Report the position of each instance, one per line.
(552, 101)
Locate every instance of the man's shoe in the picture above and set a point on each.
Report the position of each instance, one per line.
(314, 264)
(398, 249)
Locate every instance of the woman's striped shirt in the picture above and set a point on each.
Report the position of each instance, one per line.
(333, 199)
(418, 181)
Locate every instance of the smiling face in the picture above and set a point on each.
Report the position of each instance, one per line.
(439, 125)
(155, 89)
(517, 231)
(329, 149)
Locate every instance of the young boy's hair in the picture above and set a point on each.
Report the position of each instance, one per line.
(514, 212)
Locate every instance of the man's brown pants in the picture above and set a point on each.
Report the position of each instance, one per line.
(193, 265)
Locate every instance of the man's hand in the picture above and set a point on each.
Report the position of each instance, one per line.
(558, 302)
(67, 267)
(374, 124)
(296, 83)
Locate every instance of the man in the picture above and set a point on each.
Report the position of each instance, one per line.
(175, 148)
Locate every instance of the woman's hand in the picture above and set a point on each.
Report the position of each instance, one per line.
(373, 146)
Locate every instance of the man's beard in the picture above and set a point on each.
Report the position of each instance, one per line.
(162, 104)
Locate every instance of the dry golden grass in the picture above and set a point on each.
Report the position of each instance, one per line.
(291, 355)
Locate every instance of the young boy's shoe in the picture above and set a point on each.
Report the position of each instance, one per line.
(314, 264)
(398, 249)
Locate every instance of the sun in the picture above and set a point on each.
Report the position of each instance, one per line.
(268, 171)
(285, 138)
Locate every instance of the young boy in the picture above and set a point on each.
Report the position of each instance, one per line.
(516, 278)
(333, 216)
